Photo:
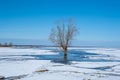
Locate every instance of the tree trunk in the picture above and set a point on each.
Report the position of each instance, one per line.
(65, 55)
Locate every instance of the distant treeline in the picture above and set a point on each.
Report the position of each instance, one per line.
(6, 44)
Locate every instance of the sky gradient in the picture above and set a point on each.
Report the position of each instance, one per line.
(30, 21)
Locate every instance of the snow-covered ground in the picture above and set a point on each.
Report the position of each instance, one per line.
(85, 64)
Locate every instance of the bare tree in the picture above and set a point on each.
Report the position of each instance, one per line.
(62, 36)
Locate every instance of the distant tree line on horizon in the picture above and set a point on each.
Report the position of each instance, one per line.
(6, 44)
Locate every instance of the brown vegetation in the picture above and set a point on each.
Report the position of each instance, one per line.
(62, 36)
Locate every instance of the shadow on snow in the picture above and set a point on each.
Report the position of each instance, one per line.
(74, 55)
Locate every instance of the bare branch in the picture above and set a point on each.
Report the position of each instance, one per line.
(62, 35)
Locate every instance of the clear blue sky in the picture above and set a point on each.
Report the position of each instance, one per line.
(97, 20)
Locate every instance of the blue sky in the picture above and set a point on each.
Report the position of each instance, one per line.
(31, 20)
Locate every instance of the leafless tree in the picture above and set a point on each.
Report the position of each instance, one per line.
(62, 35)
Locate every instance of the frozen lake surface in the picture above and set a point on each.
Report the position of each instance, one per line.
(83, 64)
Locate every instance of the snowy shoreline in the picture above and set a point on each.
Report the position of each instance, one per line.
(13, 63)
